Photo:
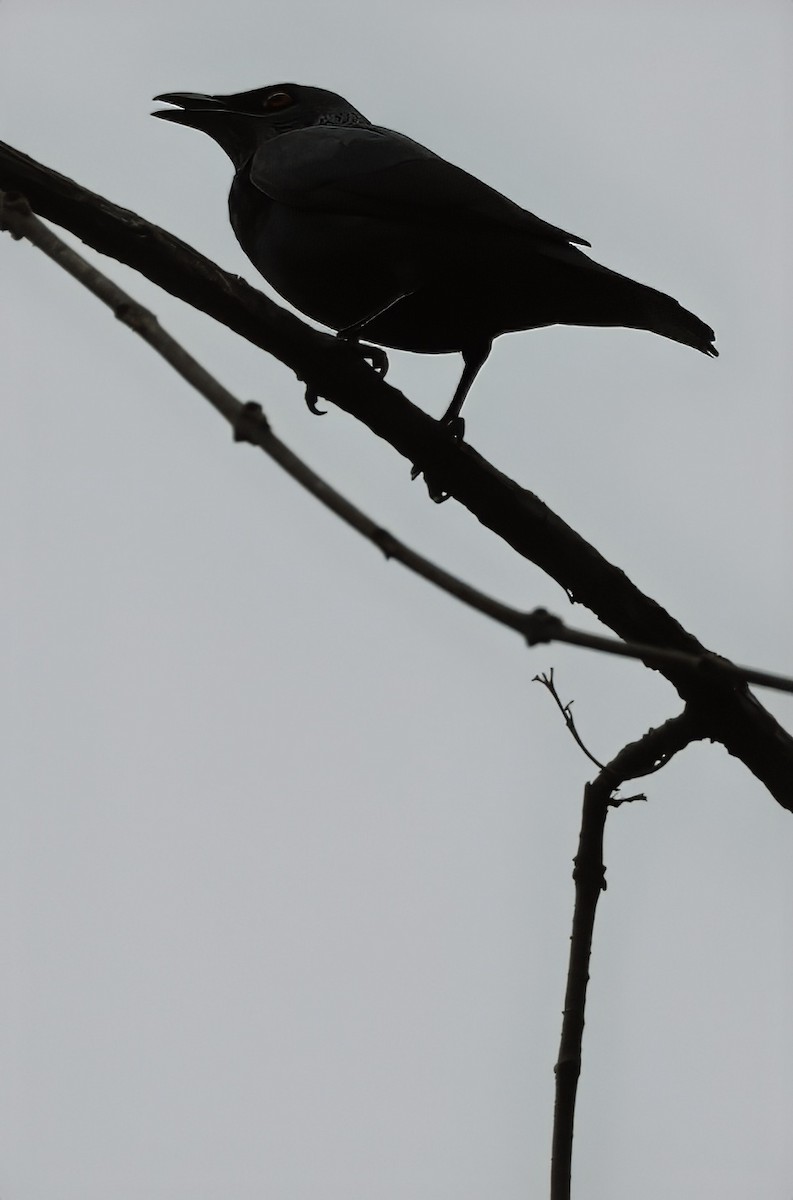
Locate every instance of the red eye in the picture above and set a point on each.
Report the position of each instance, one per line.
(277, 100)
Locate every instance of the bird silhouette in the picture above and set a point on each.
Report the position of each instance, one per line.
(373, 235)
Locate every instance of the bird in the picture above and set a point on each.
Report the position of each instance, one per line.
(375, 236)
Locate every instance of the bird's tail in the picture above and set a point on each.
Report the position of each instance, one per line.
(637, 306)
(659, 313)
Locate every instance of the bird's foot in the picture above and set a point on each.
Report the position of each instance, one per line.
(438, 493)
(375, 355)
(312, 396)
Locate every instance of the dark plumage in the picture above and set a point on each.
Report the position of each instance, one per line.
(375, 236)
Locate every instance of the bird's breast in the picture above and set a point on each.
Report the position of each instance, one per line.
(336, 268)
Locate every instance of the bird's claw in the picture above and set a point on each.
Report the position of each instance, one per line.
(374, 355)
(437, 493)
(312, 396)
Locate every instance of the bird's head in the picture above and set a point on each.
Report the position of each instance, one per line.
(241, 122)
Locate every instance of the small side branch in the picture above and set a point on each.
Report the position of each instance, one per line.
(567, 712)
(638, 758)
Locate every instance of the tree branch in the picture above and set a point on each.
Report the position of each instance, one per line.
(251, 425)
(641, 757)
(727, 711)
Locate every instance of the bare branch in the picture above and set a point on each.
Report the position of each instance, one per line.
(251, 425)
(728, 712)
(638, 758)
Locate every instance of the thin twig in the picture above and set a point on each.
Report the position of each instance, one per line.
(567, 712)
(251, 425)
(636, 759)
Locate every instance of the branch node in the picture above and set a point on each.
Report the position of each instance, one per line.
(251, 424)
(541, 626)
(385, 542)
(586, 871)
(136, 317)
(17, 204)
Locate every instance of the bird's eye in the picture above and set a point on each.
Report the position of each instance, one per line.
(277, 100)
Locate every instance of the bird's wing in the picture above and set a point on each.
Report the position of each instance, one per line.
(375, 172)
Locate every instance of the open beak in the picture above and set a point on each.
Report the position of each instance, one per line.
(190, 106)
(218, 117)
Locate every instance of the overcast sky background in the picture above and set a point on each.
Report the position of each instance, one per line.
(287, 835)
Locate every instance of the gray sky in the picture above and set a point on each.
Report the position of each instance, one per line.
(287, 837)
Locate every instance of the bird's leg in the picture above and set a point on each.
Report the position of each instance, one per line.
(474, 357)
(375, 355)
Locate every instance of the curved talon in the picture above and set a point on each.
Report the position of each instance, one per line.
(374, 355)
(312, 397)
